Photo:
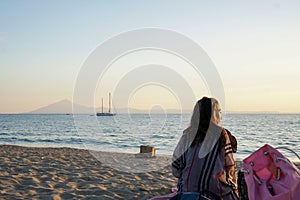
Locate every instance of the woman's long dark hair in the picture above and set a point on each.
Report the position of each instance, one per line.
(205, 107)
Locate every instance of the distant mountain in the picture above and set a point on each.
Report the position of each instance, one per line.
(65, 107)
(62, 107)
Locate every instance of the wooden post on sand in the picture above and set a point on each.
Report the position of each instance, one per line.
(147, 150)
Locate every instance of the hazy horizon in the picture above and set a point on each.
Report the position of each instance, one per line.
(253, 44)
(58, 108)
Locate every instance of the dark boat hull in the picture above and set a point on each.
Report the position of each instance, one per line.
(105, 114)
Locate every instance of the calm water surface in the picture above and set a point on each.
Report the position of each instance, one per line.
(127, 132)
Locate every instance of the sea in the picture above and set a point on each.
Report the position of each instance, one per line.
(126, 132)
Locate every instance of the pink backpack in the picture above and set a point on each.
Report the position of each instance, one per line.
(269, 175)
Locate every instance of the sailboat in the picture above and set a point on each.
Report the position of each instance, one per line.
(109, 113)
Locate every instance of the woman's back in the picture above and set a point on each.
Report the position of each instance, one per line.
(205, 162)
(213, 172)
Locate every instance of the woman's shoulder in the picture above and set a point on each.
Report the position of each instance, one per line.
(228, 135)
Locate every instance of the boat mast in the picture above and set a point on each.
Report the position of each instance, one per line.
(102, 105)
(109, 104)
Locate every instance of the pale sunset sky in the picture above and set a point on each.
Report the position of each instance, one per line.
(255, 46)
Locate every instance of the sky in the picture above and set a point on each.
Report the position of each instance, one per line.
(254, 45)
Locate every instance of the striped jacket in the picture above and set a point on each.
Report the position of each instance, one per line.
(214, 171)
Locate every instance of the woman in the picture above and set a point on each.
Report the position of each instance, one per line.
(203, 159)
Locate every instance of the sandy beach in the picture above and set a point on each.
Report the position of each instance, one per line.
(66, 173)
